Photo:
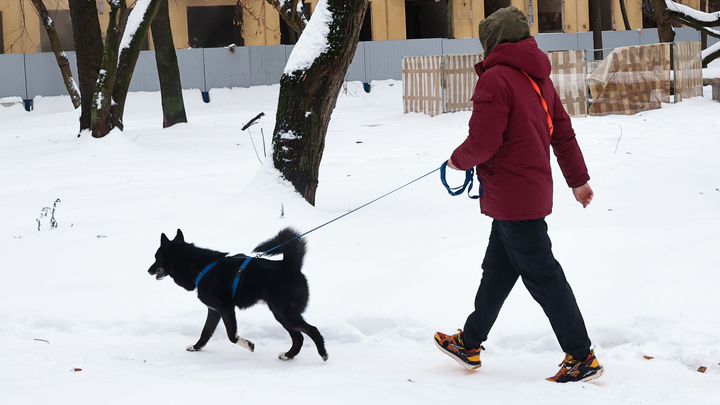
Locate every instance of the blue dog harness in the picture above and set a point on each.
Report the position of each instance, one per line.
(237, 275)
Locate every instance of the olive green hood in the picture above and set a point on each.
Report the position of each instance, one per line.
(505, 25)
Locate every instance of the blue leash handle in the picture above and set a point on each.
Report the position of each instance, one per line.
(461, 189)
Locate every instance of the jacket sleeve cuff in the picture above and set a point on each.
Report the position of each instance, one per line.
(579, 181)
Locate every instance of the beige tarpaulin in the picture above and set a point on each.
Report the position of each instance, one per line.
(630, 80)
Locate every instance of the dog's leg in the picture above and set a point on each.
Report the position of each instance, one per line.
(297, 323)
(297, 342)
(295, 335)
(213, 318)
(315, 335)
(228, 317)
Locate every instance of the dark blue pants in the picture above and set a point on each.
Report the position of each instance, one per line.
(523, 249)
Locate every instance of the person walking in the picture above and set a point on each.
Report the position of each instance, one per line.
(517, 115)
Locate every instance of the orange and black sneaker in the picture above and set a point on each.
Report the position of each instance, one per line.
(572, 370)
(453, 346)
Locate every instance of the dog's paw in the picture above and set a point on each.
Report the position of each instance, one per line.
(245, 343)
(325, 357)
(282, 356)
(191, 348)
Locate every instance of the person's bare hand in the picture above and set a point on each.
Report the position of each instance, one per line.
(451, 165)
(583, 194)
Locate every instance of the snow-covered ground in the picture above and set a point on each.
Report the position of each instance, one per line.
(81, 322)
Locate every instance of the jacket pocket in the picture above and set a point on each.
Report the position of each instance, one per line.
(481, 99)
(485, 169)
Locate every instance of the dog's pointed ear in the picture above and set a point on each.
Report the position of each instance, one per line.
(164, 240)
(179, 237)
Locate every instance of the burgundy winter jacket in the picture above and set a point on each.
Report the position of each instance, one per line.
(509, 137)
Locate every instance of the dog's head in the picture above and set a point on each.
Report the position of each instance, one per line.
(164, 263)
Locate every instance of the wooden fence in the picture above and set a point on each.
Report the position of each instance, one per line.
(438, 84)
(631, 79)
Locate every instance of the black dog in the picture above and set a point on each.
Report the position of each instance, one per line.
(280, 284)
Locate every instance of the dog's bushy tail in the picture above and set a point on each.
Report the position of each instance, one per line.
(293, 248)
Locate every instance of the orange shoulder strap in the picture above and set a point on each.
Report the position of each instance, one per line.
(542, 100)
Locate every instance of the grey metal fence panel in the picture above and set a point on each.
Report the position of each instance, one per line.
(616, 39)
(266, 64)
(145, 77)
(356, 71)
(562, 42)
(461, 46)
(687, 35)
(12, 72)
(43, 74)
(191, 64)
(585, 40)
(226, 68)
(649, 36)
(288, 51)
(384, 58)
(29, 75)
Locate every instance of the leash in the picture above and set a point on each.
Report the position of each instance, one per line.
(350, 212)
(248, 258)
(467, 184)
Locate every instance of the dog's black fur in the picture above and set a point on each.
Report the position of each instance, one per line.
(280, 284)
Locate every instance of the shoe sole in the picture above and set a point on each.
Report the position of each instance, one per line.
(594, 376)
(586, 379)
(452, 356)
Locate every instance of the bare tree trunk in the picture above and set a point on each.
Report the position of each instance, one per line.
(60, 56)
(450, 16)
(662, 18)
(88, 50)
(623, 11)
(102, 121)
(127, 60)
(308, 97)
(703, 34)
(167, 65)
(596, 23)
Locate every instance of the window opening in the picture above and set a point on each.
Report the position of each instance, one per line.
(550, 16)
(492, 6)
(214, 26)
(426, 19)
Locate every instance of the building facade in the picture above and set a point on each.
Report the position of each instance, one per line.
(217, 23)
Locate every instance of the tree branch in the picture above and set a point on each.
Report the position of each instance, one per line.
(57, 49)
(291, 12)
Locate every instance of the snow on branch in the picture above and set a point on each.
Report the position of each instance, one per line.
(135, 19)
(710, 50)
(698, 20)
(700, 17)
(313, 42)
